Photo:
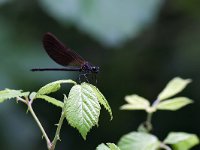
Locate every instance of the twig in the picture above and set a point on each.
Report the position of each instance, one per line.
(22, 100)
(57, 134)
(49, 145)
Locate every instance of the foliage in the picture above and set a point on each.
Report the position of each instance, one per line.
(138, 141)
(9, 94)
(107, 146)
(143, 139)
(175, 86)
(81, 108)
(181, 140)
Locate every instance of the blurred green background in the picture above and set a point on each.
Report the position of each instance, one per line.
(139, 45)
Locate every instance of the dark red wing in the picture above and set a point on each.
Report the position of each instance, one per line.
(59, 53)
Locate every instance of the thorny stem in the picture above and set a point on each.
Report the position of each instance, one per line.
(57, 134)
(50, 145)
(29, 104)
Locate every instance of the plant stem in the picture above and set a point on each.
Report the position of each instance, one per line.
(148, 122)
(163, 146)
(149, 117)
(22, 100)
(155, 103)
(57, 134)
(49, 145)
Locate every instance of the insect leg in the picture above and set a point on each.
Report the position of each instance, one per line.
(79, 78)
(86, 78)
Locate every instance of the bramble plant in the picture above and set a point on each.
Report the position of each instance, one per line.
(81, 108)
(142, 139)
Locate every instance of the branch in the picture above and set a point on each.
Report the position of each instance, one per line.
(49, 145)
(57, 134)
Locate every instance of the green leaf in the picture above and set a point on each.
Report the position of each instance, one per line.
(53, 87)
(135, 102)
(109, 146)
(112, 146)
(82, 108)
(32, 95)
(49, 88)
(181, 140)
(102, 147)
(174, 104)
(9, 93)
(138, 141)
(51, 100)
(175, 86)
(102, 100)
